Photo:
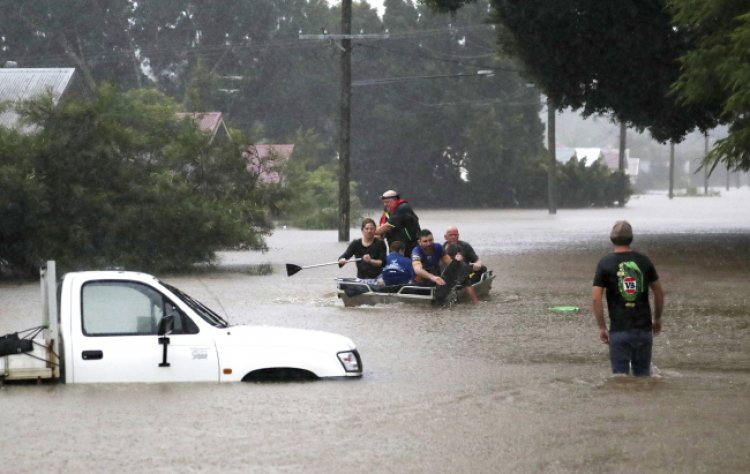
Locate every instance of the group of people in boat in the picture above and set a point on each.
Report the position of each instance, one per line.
(413, 256)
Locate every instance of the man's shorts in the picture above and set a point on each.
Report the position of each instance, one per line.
(631, 349)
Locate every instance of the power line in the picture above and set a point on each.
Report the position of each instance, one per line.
(441, 59)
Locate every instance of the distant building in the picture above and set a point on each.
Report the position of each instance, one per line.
(564, 154)
(610, 157)
(632, 165)
(20, 84)
(266, 160)
(209, 122)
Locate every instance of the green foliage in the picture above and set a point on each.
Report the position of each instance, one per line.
(716, 72)
(95, 37)
(312, 185)
(120, 181)
(420, 135)
(315, 203)
(201, 89)
(596, 185)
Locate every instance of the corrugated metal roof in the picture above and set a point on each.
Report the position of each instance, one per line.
(17, 84)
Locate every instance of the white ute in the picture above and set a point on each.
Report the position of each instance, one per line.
(118, 326)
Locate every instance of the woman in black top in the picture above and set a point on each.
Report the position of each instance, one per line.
(372, 251)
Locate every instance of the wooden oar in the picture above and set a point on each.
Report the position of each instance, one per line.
(291, 268)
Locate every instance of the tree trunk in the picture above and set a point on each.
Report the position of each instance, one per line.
(552, 172)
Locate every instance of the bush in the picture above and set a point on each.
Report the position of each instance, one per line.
(591, 186)
(119, 181)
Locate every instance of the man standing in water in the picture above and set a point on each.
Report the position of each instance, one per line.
(627, 276)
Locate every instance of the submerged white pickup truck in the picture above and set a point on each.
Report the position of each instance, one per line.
(120, 326)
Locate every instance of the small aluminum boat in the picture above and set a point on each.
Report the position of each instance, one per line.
(355, 292)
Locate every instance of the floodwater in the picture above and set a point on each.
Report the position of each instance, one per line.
(506, 386)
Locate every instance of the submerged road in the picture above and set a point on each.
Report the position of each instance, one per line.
(506, 386)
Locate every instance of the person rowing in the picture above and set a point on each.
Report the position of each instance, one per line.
(370, 250)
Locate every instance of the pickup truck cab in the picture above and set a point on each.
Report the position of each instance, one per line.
(119, 326)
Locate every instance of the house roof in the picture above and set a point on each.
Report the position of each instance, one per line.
(209, 122)
(257, 161)
(19, 84)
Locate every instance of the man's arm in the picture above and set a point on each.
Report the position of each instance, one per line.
(472, 258)
(597, 306)
(658, 306)
(383, 229)
(424, 274)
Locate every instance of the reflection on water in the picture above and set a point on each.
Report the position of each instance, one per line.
(507, 386)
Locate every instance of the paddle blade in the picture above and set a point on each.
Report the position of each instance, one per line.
(291, 269)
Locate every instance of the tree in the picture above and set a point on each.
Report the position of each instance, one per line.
(312, 185)
(715, 71)
(421, 134)
(201, 89)
(617, 58)
(93, 36)
(120, 181)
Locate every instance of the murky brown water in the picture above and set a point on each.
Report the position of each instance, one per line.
(507, 386)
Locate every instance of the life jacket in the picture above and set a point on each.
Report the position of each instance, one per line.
(387, 213)
(384, 218)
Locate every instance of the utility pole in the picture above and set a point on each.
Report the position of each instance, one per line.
(345, 108)
(345, 112)
(621, 164)
(728, 174)
(552, 172)
(705, 168)
(671, 169)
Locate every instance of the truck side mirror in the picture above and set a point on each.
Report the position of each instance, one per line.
(166, 325)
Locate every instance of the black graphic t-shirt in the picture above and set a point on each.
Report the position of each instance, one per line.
(626, 276)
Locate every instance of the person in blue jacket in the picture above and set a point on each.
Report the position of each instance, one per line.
(398, 269)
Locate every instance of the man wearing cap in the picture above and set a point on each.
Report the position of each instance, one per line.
(398, 222)
(627, 276)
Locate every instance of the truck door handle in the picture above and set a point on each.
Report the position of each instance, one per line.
(92, 355)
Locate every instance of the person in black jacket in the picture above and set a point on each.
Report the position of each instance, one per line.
(398, 222)
(467, 251)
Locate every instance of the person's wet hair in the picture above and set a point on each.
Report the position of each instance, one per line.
(397, 246)
(366, 221)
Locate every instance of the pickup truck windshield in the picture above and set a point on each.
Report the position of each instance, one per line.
(209, 315)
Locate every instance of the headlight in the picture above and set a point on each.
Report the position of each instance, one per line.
(350, 360)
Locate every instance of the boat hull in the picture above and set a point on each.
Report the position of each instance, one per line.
(357, 293)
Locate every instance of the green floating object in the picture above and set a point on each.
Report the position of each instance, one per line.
(564, 309)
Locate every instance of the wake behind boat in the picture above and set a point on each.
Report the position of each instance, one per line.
(355, 292)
